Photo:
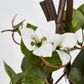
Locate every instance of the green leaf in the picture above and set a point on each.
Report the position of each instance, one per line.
(79, 61)
(18, 78)
(35, 76)
(29, 62)
(75, 76)
(24, 50)
(81, 9)
(78, 64)
(9, 71)
(31, 26)
(83, 77)
(35, 73)
(77, 20)
(54, 60)
(68, 27)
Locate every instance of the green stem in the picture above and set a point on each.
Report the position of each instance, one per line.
(8, 30)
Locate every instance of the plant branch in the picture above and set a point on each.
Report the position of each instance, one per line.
(51, 9)
(61, 10)
(45, 10)
(69, 11)
(49, 78)
(50, 65)
(60, 28)
(14, 38)
(67, 70)
(46, 81)
(8, 30)
(59, 7)
(18, 25)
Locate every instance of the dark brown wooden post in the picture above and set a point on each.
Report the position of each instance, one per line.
(49, 9)
(69, 11)
(45, 10)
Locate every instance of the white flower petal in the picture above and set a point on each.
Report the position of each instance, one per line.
(45, 50)
(26, 34)
(65, 58)
(47, 29)
(79, 35)
(57, 41)
(51, 38)
(69, 40)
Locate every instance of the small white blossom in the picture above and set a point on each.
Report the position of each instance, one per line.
(40, 41)
(66, 40)
(62, 45)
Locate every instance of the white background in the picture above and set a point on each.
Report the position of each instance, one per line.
(9, 51)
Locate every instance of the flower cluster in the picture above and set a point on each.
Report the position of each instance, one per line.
(44, 41)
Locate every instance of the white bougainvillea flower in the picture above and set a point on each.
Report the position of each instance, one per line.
(40, 41)
(62, 45)
(80, 37)
(65, 41)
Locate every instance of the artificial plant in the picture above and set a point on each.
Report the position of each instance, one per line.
(47, 48)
